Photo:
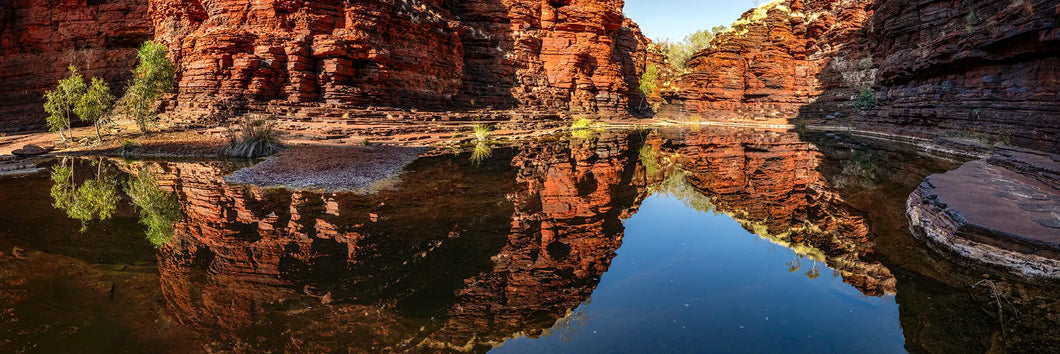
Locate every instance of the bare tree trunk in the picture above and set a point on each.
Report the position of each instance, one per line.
(98, 136)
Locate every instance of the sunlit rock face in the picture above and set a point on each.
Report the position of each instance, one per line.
(777, 59)
(769, 182)
(39, 39)
(914, 67)
(313, 57)
(510, 253)
(320, 58)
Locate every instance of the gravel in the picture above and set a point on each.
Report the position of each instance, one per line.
(330, 168)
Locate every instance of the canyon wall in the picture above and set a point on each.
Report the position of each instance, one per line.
(39, 39)
(984, 70)
(324, 58)
(770, 63)
(970, 68)
(302, 57)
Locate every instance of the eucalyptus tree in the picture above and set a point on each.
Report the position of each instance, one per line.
(61, 101)
(95, 105)
(153, 76)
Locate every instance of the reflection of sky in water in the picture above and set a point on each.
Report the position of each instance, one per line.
(686, 281)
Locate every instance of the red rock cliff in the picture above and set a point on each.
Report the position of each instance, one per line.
(287, 56)
(978, 69)
(40, 38)
(325, 57)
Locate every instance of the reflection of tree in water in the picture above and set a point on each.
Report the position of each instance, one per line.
(159, 210)
(96, 198)
(677, 186)
(570, 327)
(860, 170)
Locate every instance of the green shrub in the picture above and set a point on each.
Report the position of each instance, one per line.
(153, 76)
(60, 102)
(481, 131)
(678, 53)
(647, 80)
(95, 198)
(94, 106)
(159, 210)
(256, 137)
(866, 99)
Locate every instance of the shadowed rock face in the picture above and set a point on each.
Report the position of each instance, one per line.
(970, 67)
(40, 38)
(923, 67)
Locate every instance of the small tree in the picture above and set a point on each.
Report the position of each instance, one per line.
(60, 102)
(647, 80)
(94, 106)
(153, 76)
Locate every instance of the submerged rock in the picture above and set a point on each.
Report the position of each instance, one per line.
(992, 214)
(329, 168)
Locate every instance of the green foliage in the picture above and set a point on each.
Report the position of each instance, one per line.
(584, 127)
(94, 106)
(481, 152)
(678, 53)
(256, 137)
(648, 159)
(970, 22)
(159, 210)
(60, 102)
(866, 99)
(481, 131)
(482, 149)
(96, 198)
(153, 76)
(647, 80)
(583, 122)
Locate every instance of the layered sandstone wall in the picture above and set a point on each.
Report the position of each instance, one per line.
(970, 68)
(976, 69)
(323, 58)
(775, 60)
(39, 39)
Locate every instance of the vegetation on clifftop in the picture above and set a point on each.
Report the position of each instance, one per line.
(678, 53)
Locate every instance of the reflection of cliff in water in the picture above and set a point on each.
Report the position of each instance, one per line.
(460, 256)
(456, 256)
(769, 182)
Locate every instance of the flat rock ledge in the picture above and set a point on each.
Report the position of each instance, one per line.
(999, 214)
(330, 168)
(18, 168)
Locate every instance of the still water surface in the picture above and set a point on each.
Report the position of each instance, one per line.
(719, 240)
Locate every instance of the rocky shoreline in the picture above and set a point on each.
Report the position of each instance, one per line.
(992, 212)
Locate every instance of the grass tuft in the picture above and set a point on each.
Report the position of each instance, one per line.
(256, 137)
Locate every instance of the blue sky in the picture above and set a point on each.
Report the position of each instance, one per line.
(674, 19)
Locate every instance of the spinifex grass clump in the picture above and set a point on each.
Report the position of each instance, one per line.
(256, 137)
(482, 148)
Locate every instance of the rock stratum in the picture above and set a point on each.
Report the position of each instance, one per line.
(40, 39)
(323, 58)
(974, 69)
